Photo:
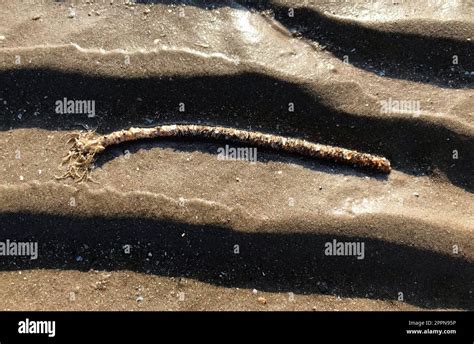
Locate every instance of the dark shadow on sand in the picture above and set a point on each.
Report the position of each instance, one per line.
(269, 261)
(399, 55)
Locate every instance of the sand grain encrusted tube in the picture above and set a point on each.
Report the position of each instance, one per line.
(87, 145)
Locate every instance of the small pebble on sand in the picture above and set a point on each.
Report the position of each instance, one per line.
(71, 13)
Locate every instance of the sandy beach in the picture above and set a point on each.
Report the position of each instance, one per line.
(170, 226)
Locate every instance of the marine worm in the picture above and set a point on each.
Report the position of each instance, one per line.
(86, 145)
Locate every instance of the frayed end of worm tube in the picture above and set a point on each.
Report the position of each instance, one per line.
(81, 156)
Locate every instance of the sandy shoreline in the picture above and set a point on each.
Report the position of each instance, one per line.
(183, 211)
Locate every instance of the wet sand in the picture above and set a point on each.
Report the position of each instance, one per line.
(208, 234)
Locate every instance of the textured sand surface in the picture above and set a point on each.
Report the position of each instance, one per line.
(182, 211)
